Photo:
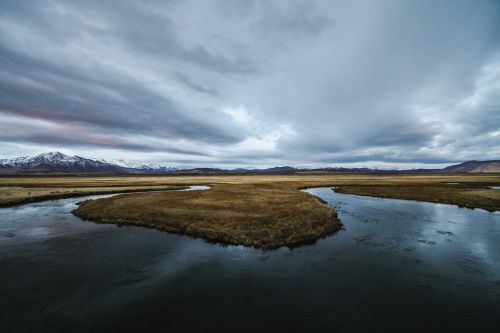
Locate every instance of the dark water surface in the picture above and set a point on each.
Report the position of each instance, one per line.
(398, 265)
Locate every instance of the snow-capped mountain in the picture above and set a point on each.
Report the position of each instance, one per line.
(140, 165)
(59, 162)
(56, 162)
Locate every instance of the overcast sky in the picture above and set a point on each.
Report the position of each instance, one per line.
(252, 83)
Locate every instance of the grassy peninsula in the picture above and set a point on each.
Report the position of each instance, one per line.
(263, 211)
(259, 215)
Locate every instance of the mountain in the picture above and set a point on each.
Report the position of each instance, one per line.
(132, 165)
(56, 162)
(61, 163)
(474, 166)
(282, 169)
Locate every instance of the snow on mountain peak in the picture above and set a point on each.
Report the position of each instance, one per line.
(59, 161)
(138, 165)
(56, 157)
(53, 155)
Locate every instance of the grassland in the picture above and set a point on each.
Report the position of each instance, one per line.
(462, 196)
(17, 195)
(265, 211)
(265, 215)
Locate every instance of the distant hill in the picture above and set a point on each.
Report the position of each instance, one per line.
(474, 166)
(60, 163)
(57, 162)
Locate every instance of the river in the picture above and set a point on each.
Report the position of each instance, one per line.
(397, 265)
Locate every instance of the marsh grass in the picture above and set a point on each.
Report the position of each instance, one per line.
(469, 197)
(17, 196)
(265, 211)
(258, 215)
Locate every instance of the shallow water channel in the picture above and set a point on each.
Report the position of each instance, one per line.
(398, 265)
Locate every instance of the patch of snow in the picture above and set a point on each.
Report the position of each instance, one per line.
(139, 165)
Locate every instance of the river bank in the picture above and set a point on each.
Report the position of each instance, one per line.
(393, 258)
(264, 216)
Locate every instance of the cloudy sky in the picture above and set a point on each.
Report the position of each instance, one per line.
(252, 83)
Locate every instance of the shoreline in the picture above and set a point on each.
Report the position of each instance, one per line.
(258, 211)
(68, 195)
(265, 217)
(413, 193)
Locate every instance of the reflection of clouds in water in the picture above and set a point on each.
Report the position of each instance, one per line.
(482, 251)
(196, 188)
(442, 213)
(473, 239)
(42, 220)
(51, 218)
(442, 235)
(37, 232)
(398, 222)
(130, 267)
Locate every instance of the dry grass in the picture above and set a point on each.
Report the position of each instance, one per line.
(257, 210)
(461, 196)
(16, 195)
(259, 215)
(15, 190)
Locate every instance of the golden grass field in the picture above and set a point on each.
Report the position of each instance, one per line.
(267, 215)
(265, 211)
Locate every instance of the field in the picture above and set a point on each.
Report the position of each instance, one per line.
(264, 211)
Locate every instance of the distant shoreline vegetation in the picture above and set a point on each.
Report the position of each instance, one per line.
(262, 211)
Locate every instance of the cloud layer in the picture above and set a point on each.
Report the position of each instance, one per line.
(252, 83)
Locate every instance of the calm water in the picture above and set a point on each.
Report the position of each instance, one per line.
(398, 265)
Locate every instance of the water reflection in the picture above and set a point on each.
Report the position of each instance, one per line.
(397, 264)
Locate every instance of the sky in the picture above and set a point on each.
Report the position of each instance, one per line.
(248, 83)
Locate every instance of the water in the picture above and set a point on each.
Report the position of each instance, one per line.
(398, 265)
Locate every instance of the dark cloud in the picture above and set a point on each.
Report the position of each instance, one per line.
(301, 20)
(193, 85)
(253, 82)
(152, 35)
(46, 133)
(42, 90)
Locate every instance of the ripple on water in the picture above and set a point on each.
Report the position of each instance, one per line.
(96, 276)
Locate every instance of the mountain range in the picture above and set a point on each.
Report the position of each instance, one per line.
(57, 162)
